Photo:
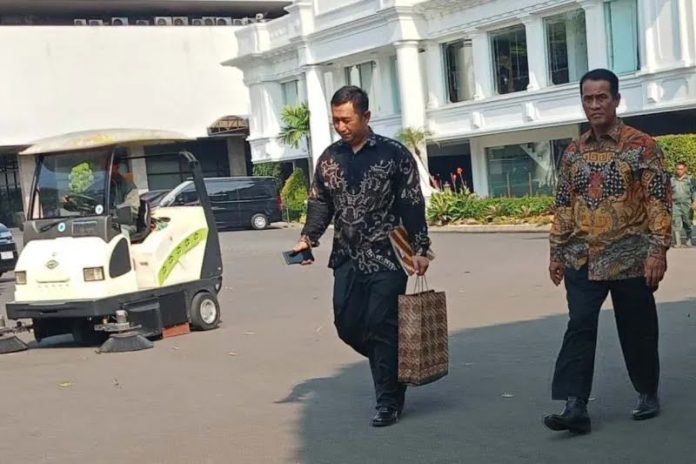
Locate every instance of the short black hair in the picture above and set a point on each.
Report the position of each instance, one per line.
(681, 163)
(355, 95)
(602, 75)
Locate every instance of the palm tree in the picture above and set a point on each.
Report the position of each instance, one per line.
(414, 139)
(295, 128)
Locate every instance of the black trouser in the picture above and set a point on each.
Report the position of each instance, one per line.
(366, 318)
(636, 320)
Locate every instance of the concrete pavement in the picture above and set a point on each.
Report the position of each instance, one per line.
(275, 385)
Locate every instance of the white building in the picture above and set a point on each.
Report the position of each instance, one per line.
(152, 64)
(495, 81)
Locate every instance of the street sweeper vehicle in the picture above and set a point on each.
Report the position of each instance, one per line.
(98, 262)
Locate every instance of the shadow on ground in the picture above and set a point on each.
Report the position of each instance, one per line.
(489, 408)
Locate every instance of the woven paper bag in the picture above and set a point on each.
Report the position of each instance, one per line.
(423, 340)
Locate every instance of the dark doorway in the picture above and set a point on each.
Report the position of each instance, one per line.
(447, 161)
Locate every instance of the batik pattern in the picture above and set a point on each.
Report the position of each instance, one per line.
(613, 204)
(367, 194)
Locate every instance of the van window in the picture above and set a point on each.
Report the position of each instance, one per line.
(187, 197)
(220, 191)
(255, 190)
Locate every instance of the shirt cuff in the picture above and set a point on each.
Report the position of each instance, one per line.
(556, 254)
(657, 251)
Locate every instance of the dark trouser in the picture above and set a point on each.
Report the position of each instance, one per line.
(366, 318)
(681, 220)
(636, 320)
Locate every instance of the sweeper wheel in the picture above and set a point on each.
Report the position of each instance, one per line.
(204, 311)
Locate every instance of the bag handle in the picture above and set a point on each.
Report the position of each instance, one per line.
(421, 285)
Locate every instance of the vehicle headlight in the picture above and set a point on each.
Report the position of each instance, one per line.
(7, 234)
(93, 274)
(21, 277)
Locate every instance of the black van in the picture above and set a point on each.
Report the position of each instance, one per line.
(237, 201)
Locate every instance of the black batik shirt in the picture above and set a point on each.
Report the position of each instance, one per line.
(367, 194)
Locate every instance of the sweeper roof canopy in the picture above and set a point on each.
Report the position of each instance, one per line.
(86, 140)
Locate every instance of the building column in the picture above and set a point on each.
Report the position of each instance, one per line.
(411, 89)
(483, 65)
(595, 29)
(319, 111)
(687, 16)
(437, 95)
(273, 104)
(256, 118)
(410, 85)
(479, 167)
(536, 52)
(647, 42)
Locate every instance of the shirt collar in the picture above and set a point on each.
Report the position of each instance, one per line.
(614, 133)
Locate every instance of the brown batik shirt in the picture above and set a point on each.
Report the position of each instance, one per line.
(613, 204)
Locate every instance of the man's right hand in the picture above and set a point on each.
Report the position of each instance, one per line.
(299, 248)
(556, 272)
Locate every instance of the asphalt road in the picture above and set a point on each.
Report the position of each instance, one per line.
(275, 385)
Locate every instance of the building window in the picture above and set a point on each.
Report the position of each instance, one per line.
(621, 17)
(361, 76)
(459, 62)
(567, 47)
(290, 93)
(510, 59)
(395, 84)
(521, 170)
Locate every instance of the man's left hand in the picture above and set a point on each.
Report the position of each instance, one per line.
(655, 268)
(421, 263)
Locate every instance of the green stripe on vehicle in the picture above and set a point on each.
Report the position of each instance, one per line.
(181, 249)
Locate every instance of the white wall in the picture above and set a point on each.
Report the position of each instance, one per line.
(61, 79)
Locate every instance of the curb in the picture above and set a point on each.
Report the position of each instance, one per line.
(487, 229)
(467, 229)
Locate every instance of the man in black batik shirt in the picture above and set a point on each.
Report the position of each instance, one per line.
(368, 185)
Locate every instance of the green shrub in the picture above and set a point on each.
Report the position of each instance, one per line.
(294, 195)
(272, 169)
(449, 207)
(677, 148)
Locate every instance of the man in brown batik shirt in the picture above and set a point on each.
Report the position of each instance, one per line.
(611, 232)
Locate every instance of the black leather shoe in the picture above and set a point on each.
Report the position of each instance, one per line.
(385, 416)
(648, 406)
(574, 418)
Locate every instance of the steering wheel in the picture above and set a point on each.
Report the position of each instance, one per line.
(80, 202)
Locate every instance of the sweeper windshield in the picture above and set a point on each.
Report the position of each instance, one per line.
(72, 184)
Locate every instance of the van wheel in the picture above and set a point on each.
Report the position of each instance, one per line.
(259, 222)
(205, 311)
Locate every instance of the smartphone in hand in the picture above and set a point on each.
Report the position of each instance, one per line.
(297, 257)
